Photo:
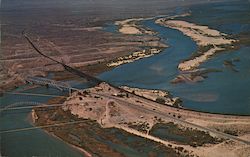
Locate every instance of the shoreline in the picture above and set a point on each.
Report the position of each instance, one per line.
(209, 41)
(131, 27)
(113, 112)
(33, 117)
(135, 56)
(150, 41)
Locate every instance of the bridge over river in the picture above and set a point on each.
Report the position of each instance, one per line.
(60, 85)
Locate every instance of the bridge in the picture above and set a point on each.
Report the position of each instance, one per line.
(50, 83)
(28, 105)
(96, 80)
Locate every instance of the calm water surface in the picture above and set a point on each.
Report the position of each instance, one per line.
(225, 92)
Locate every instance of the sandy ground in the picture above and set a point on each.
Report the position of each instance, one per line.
(132, 26)
(195, 63)
(127, 29)
(113, 108)
(203, 36)
(154, 95)
(134, 57)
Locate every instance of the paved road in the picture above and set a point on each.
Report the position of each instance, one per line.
(144, 108)
(163, 114)
(96, 80)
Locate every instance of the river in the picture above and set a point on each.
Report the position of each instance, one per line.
(224, 92)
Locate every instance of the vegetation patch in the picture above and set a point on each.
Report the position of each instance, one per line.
(142, 127)
(99, 141)
(188, 136)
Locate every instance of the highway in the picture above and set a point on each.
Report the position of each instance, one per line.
(155, 112)
(145, 108)
(163, 114)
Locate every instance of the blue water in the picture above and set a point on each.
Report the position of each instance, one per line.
(153, 70)
(32, 142)
(228, 17)
(226, 92)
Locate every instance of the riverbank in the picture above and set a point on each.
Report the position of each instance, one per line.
(162, 97)
(34, 118)
(111, 108)
(210, 41)
(134, 57)
(133, 26)
(20, 60)
(87, 134)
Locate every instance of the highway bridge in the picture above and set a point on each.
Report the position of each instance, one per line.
(27, 105)
(96, 80)
(50, 83)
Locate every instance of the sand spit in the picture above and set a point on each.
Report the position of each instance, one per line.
(134, 56)
(201, 34)
(132, 27)
(205, 37)
(163, 97)
(195, 63)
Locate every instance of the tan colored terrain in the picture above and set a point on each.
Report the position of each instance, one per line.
(111, 107)
(131, 26)
(163, 97)
(134, 57)
(204, 36)
(87, 48)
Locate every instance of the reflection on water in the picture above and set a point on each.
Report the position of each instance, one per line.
(224, 92)
(33, 142)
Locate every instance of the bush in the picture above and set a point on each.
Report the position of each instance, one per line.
(160, 101)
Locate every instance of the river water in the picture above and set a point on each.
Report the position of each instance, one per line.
(33, 142)
(224, 92)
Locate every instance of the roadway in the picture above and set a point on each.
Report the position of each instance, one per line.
(149, 109)
(97, 80)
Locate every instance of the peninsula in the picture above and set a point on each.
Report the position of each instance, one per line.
(209, 41)
(105, 112)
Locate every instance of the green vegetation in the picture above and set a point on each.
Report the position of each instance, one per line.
(142, 127)
(187, 136)
(89, 135)
(205, 48)
(231, 132)
(177, 103)
(160, 100)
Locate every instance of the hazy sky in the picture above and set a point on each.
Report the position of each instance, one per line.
(82, 3)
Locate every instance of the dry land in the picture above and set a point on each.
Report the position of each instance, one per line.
(210, 41)
(72, 33)
(112, 112)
